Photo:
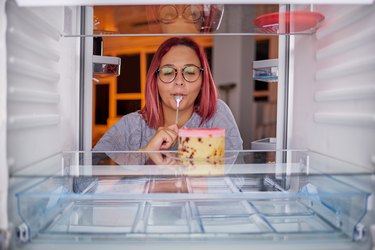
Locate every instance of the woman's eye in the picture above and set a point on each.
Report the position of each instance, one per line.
(168, 16)
(189, 71)
(167, 71)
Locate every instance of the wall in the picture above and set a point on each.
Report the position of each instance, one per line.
(233, 64)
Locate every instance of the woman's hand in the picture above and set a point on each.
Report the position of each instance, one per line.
(158, 158)
(164, 138)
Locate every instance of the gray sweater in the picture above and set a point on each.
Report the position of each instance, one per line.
(131, 132)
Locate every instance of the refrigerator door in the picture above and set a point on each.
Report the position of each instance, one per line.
(39, 89)
(332, 91)
(4, 175)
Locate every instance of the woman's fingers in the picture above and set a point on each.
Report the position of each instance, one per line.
(162, 159)
(157, 158)
(174, 127)
(173, 132)
(164, 138)
(169, 138)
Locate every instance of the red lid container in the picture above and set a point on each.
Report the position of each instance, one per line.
(288, 22)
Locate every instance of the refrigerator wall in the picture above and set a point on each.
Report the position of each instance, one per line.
(43, 84)
(332, 92)
(332, 104)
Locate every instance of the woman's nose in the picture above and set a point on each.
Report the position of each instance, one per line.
(179, 79)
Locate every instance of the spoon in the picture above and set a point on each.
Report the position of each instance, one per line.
(178, 99)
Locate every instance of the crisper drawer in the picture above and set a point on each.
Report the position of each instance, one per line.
(242, 203)
(201, 218)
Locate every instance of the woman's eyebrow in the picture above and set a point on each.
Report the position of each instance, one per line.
(168, 64)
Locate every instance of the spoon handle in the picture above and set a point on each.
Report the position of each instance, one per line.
(177, 115)
(178, 99)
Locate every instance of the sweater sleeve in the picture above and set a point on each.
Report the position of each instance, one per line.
(224, 118)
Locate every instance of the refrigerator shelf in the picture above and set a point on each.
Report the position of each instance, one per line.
(106, 65)
(185, 218)
(149, 21)
(256, 197)
(264, 144)
(266, 70)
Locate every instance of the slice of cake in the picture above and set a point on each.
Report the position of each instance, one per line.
(202, 150)
(201, 143)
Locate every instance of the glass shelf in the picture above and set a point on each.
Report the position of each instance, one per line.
(202, 20)
(266, 70)
(136, 163)
(106, 65)
(253, 195)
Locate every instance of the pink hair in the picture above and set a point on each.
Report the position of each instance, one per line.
(205, 104)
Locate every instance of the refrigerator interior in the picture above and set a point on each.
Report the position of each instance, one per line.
(326, 86)
(248, 195)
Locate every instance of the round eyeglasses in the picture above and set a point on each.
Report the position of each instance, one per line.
(169, 13)
(190, 73)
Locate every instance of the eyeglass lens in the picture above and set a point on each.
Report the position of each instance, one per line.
(168, 13)
(190, 73)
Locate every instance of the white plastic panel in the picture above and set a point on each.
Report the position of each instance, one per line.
(3, 113)
(43, 84)
(334, 87)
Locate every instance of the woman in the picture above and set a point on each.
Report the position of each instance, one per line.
(179, 68)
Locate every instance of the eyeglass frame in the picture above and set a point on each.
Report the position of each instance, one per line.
(182, 70)
(178, 13)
